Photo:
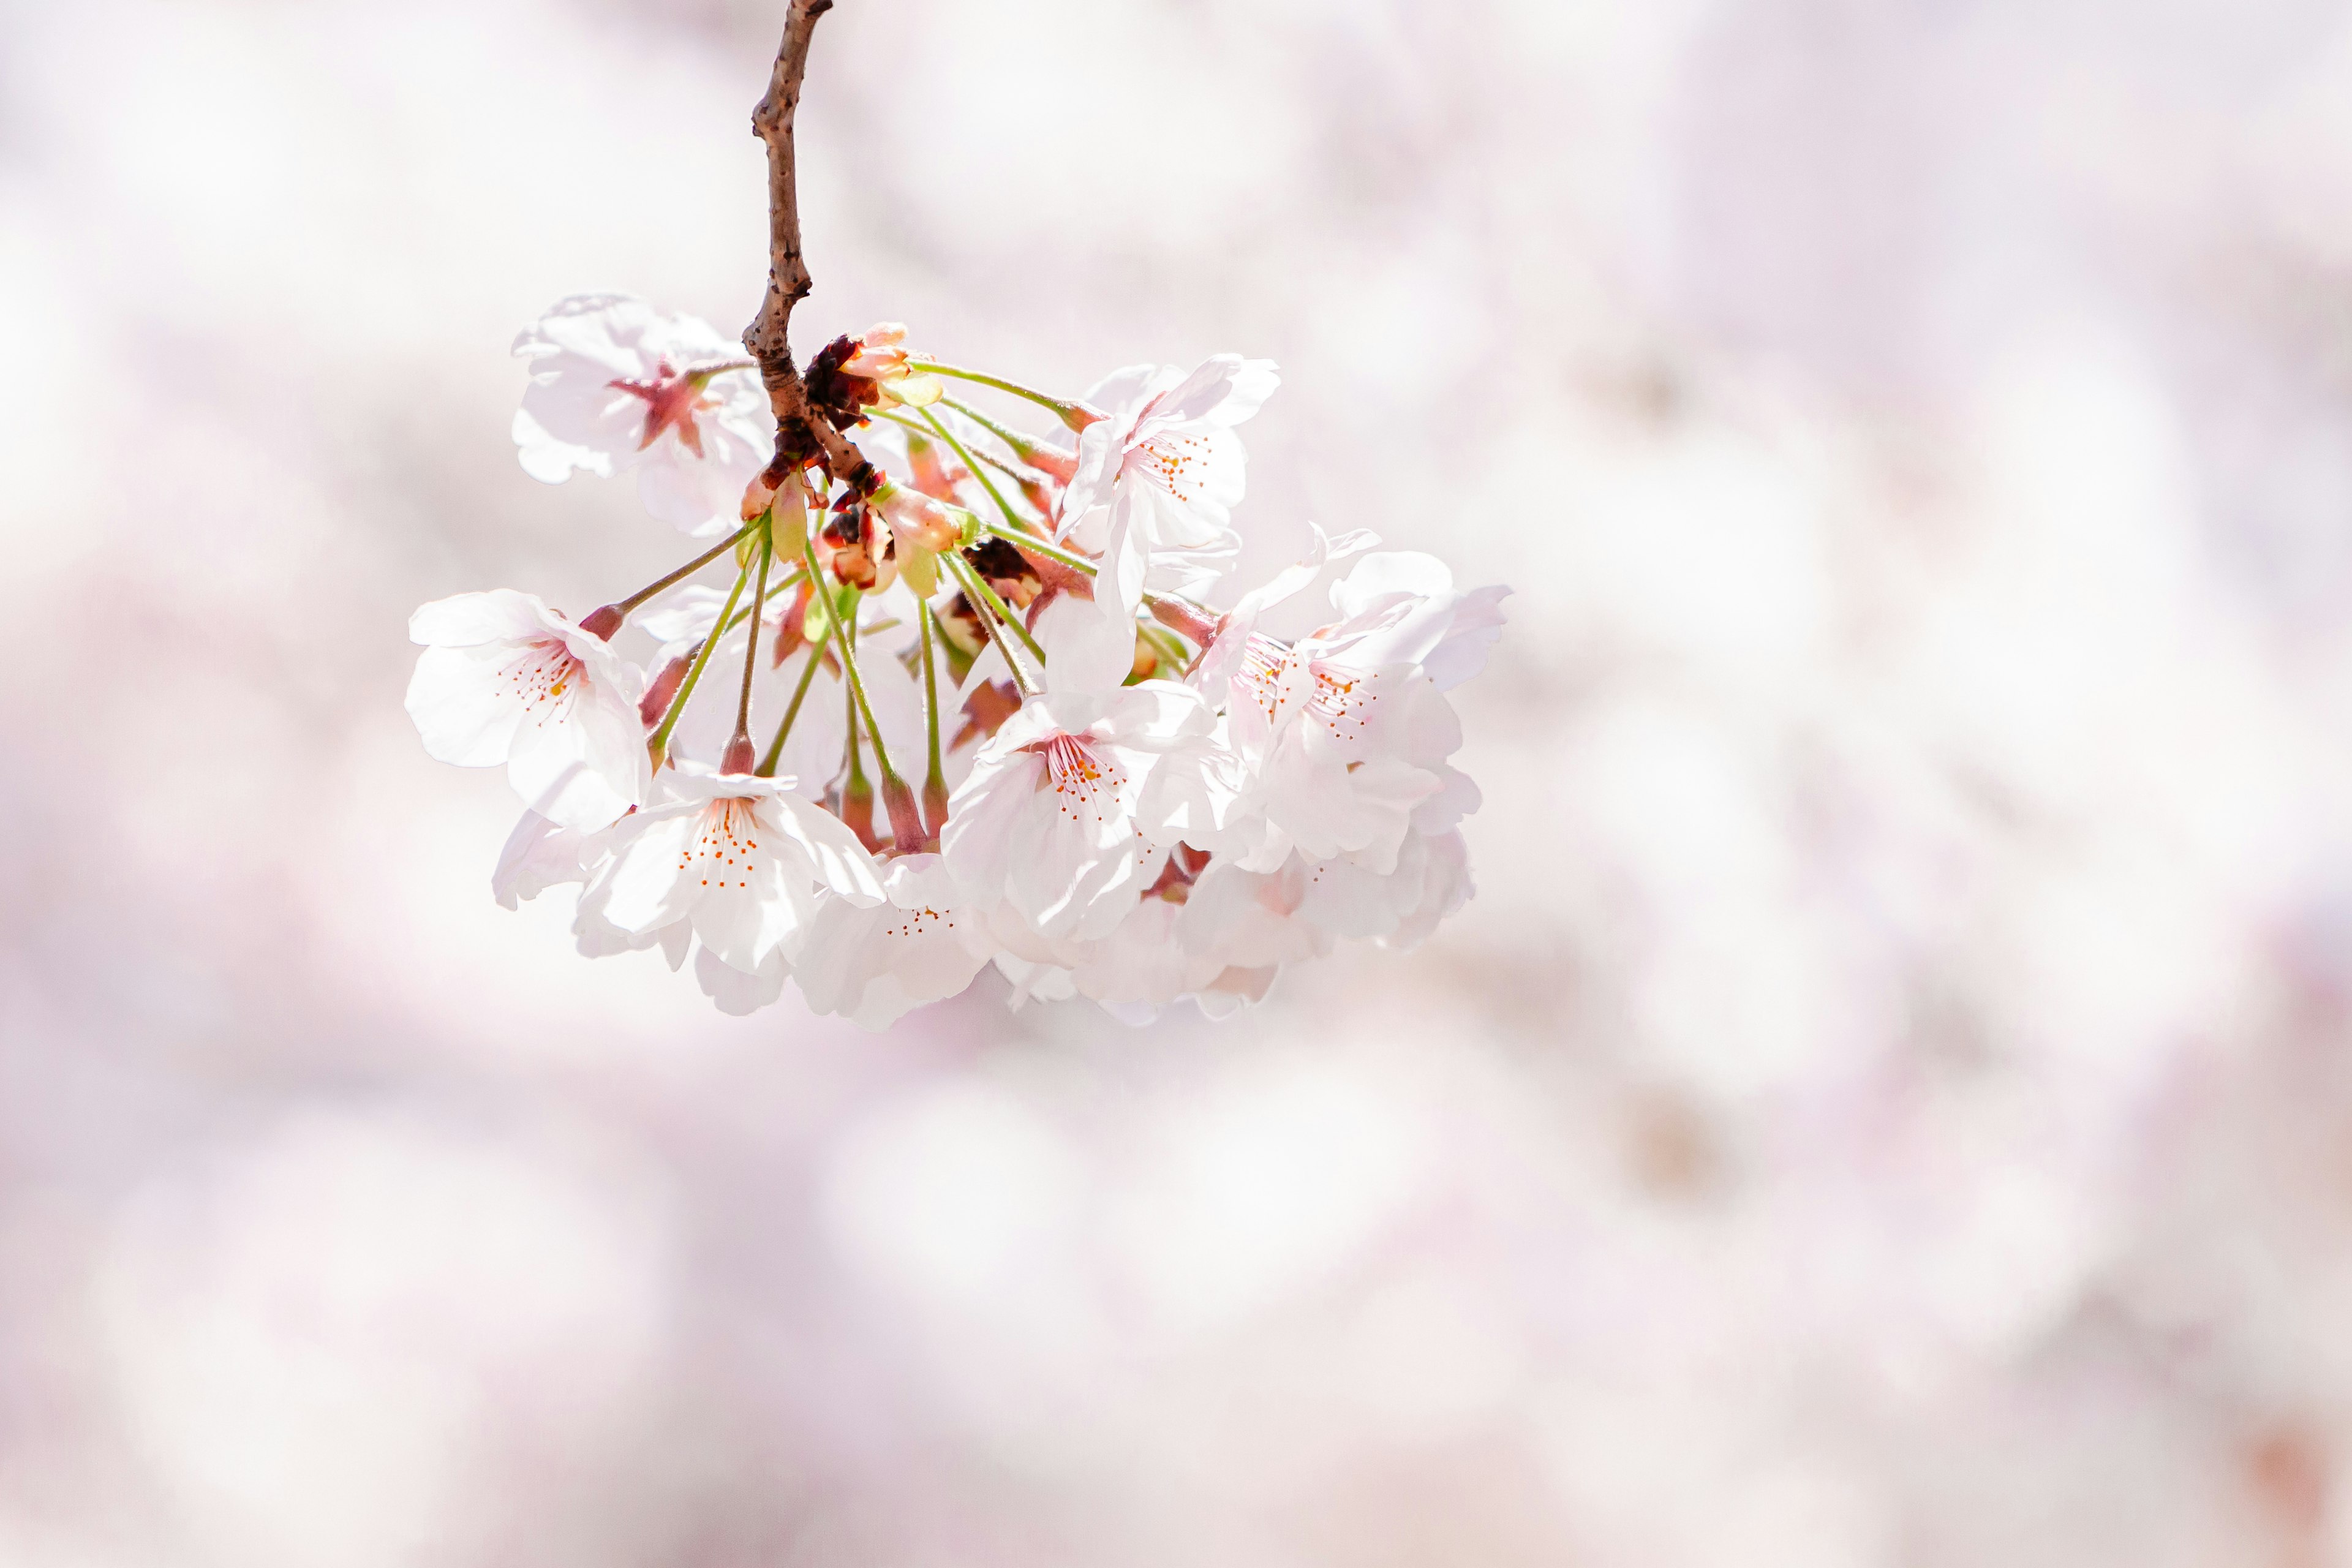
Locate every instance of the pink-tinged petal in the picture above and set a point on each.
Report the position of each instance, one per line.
(698, 496)
(647, 884)
(836, 861)
(1125, 391)
(1446, 888)
(1458, 795)
(1140, 962)
(989, 818)
(469, 620)
(1225, 390)
(553, 770)
(1089, 644)
(746, 904)
(539, 855)
(1235, 988)
(736, 993)
(1477, 626)
(456, 705)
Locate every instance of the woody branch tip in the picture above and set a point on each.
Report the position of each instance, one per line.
(799, 429)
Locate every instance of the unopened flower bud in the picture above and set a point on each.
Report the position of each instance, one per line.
(935, 472)
(917, 519)
(664, 690)
(880, 351)
(758, 497)
(880, 356)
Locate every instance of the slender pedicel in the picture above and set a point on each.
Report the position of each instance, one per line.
(738, 759)
(1011, 517)
(935, 781)
(621, 609)
(975, 582)
(767, 768)
(968, 581)
(1051, 460)
(659, 745)
(1074, 415)
(906, 822)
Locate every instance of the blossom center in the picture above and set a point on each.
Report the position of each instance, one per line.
(1172, 461)
(724, 843)
(1077, 773)
(544, 678)
(1264, 663)
(672, 398)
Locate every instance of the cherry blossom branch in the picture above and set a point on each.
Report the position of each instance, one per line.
(802, 433)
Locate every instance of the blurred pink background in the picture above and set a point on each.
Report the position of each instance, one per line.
(1889, 1103)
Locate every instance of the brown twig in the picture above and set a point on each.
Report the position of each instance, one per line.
(801, 432)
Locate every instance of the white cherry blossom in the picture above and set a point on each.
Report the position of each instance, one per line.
(737, 860)
(1056, 818)
(616, 386)
(505, 679)
(872, 964)
(537, 856)
(1169, 467)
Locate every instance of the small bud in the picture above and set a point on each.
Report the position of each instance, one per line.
(880, 351)
(936, 473)
(918, 521)
(758, 497)
(659, 695)
(1188, 619)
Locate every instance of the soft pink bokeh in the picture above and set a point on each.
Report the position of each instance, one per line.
(1889, 1104)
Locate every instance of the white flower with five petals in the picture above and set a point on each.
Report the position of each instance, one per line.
(872, 964)
(617, 386)
(503, 679)
(739, 861)
(1168, 468)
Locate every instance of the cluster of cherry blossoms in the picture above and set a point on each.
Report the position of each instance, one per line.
(1084, 774)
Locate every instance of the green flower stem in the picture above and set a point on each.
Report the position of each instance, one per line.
(767, 768)
(629, 605)
(934, 780)
(857, 694)
(1021, 445)
(975, 582)
(1011, 517)
(659, 744)
(977, 592)
(751, 645)
(1072, 414)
